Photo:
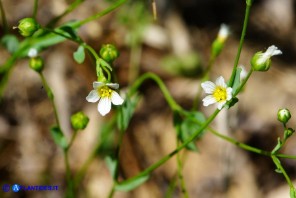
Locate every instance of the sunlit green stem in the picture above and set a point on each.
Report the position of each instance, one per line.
(282, 170)
(172, 103)
(239, 144)
(243, 34)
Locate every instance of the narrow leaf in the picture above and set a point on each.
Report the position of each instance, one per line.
(131, 184)
(58, 137)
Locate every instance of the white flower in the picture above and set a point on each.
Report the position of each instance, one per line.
(105, 94)
(223, 32)
(33, 53)
(271, 51)
(243, 73)
(219, 92)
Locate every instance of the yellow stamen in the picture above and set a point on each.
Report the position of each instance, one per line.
(104, 92)
(220, 94)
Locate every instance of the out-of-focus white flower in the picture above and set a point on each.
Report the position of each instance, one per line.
(243, 73)
(33, 53)
(223, 33)
(104, 93)
(219, 92)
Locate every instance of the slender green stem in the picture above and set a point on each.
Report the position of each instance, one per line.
(104, 135)
(179, 148)
(280, 167)
(171, 188)
(100, 14)
(180, 174)
(3, 16)
(243, 83)
(243, 34)
(247, 147)
(35, 9)
(69, 9)
(239, 144)
(172, 103)
(70, 189)
(72, 140)
(112, 191)
(51, 98)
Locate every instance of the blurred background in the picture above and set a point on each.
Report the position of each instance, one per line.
(177, 48)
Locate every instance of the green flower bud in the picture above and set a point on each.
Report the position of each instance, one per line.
(288, 132)
(261, 61)
(218, 44)
(284, 115)
(109, 52)
(36, 64)
(79, 121)
(28, 26)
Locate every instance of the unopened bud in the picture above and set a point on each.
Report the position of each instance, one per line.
(28, 26)
(109, 52)
(79, 121)
(284, 115)
(261, 61)
(288, 132)
(36, 64)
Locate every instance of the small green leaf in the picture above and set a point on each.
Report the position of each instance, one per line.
(126, 112)
(185, 127)
(237, 81)
(112, 165)
(232, 103)
(58, 137)
(71, 32)
(79, 55)
(10, 42)
(131, 184)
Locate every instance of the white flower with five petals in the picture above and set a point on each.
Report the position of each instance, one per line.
(219, 92)
(104, 93)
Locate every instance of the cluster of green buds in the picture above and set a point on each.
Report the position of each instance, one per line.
(28, 26)
(36, 62)
(284, 116)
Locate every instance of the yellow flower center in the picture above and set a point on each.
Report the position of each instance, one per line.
(105, 91)
(220, 94)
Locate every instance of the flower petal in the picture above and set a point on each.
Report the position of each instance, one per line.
(229, 93)
(97, 84)
(116, 99)
(113, 85)
(272, 51)
(104, 106)
(93, 96)
(220, 104)
(220, 82)
(208, 100)
(208, 87)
